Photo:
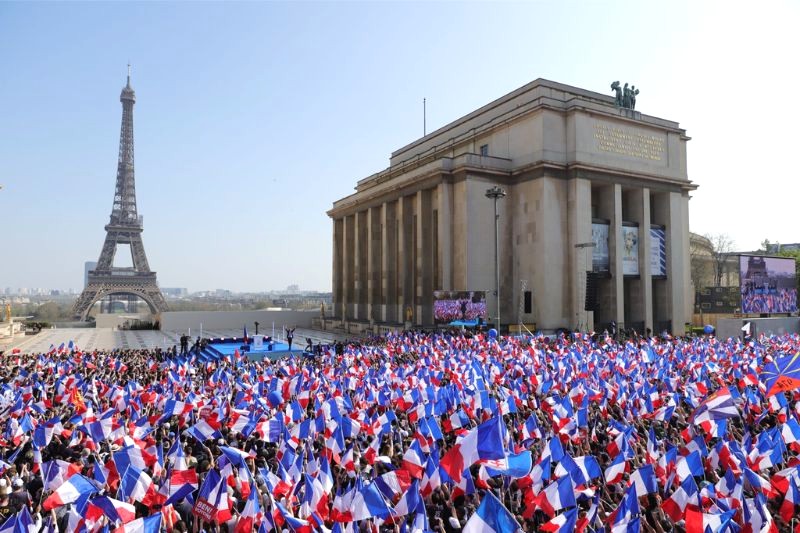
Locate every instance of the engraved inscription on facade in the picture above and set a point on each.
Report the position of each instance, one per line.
(627, 142)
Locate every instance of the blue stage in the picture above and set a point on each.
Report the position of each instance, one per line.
(464, 323)
(279, 349)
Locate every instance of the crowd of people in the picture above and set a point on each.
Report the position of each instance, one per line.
(409, 432)
(772, 301)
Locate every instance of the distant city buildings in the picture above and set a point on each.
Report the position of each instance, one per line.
(176, 292)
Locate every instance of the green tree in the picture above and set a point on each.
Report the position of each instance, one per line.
(48, 311)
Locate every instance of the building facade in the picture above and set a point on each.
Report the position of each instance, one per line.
(590, 186)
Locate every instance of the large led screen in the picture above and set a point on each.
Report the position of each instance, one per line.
(459, 306)
(767, 284)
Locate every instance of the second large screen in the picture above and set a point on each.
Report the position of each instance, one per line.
(464, 306)
(768, 284)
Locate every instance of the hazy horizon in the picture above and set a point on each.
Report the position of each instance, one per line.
(252, 118)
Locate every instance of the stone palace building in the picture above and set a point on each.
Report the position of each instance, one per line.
(591, 186)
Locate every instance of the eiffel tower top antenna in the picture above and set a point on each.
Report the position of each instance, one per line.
(124, 212)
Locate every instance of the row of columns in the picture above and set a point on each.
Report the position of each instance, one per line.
(641, 299)
(389, 258)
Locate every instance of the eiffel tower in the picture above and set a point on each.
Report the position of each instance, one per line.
(125, 227)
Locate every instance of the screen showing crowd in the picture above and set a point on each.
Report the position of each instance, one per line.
(453, 306)
(768, 284)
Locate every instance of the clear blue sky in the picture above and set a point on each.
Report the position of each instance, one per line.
(252, 118)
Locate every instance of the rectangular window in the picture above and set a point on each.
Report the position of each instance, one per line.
(484, 150)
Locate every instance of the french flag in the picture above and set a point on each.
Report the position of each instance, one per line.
(348, 463)
(644, 480)
(182, 481)
(69, 492)
(203, 431)
(616, 471)
(691, 465)
(371, 453)
(699, 522)
(563, 523)
(369, 503)
(492, 517)
(790, 431)
(250, 515)
(135, 483)
(414, 460)
(316, 500)
(790, 502)
(557, 495)
(686, 494)
(150, 524)
(394, 483)
(581, 469)
(483, 442)
(115, 510)
(432, 478)
(283, 516)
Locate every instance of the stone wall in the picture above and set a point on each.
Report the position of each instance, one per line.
(218, 320)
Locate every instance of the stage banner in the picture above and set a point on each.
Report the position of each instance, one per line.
(258, 342)
(600, 250)
(658, 252)
(630, 251)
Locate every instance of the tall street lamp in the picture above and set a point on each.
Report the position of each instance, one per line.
(496, 193)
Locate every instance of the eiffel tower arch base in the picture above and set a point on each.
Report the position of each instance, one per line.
(93, 294)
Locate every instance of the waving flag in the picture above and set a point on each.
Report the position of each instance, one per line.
(557, 495)
(563, 523)
(644, 480)
(699, 522)
(115, 510)
(718, 406)
(369, 503)
(615, 472)
(581, 469)
(483, 442)
(150, 524)
(69, 492)
(135, 484)
(783, 374)
(203, 431)
(250, 515)
(491, 517)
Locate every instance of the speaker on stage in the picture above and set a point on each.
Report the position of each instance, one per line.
(528, 302)
(591, 291)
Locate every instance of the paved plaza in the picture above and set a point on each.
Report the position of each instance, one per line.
(109, 339)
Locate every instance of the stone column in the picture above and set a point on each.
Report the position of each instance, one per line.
(639, 310)
(645, 267)
(374, 236)
(616, 251)
(348, 268)
(579, 229)
(389, 262)
(405, 214)
(362, 266)
(424, 266)
(445, 203)
(677, 237)
(338, 280)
